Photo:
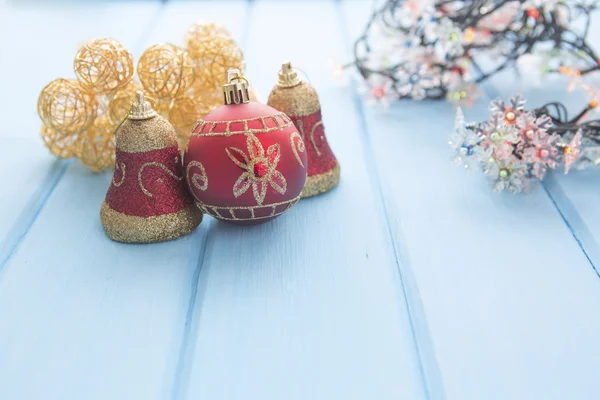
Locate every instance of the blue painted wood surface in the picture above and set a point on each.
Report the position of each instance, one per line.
(412, 279)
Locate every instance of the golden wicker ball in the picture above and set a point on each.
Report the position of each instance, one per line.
(200, 30)
(212, 58)
(206, 99)
(103, 65)
(165, 70)
(163, 107)
(253, 94)
(183, 115)
(120, 103)
(66, 107)
(96, 146)
(60, 144)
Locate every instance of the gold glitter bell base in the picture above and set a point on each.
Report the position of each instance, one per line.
(321, 183)
(131, 229)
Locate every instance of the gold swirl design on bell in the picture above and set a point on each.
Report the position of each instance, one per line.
(154, 164)
(297, 146)
(312, 136)
(119, 167)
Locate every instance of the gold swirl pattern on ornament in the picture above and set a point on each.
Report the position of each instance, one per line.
(154, 164)
(312, 136)
(121, 168)
(214, 210)
(281, 121)
(196, 177)
(297, 146)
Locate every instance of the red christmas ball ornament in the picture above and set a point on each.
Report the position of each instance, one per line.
(245, 161)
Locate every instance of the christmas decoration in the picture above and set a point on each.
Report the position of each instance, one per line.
(120, 103)
(103, 65)
(165, 70)
(517, 146)
(96, 146)
(299, 101)
(245, 162)
(442, 49)
(66, 109)
(185, 83)
(201, 30)
(212, 57)
(147, 200)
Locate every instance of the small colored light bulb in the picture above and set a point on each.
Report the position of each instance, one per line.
(533, 12)
(529, 134)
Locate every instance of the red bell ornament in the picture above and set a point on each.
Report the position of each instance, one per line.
(147, 200)
(245, 161)
(300, 102)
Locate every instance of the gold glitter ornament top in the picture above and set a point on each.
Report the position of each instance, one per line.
(103, 65)
(120, 103)
(141, 109)
(305, 100)
(144, 129)
(165, 70)
(235, 91)
(288, 77)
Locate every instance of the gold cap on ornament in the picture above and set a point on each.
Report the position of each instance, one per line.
(141, 109)
(288, 77)
(235, 91)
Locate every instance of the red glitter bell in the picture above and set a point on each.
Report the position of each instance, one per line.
(245, 162)
(300, 102)
(147, 200)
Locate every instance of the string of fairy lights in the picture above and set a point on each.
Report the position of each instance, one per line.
(444, 49)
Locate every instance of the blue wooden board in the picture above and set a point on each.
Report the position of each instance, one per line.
(412, 279)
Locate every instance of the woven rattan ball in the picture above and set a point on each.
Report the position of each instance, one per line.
(96, 146)
(253, 93)
(206, 99)
(163, 107)
(66, 107)
(200, 30)
(165, 70)
(213, 57)
(183, 115)
(60, 144)
(103, 65)
(120, 103)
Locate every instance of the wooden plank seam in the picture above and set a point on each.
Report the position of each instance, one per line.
(429, 371)
(30, 212)
(37, 202)
(191, 327)
(183, 363)
(569, 215)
